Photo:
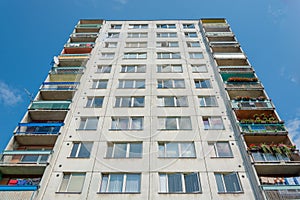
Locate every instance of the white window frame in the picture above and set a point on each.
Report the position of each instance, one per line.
(116, 121)
(167, 44)
(111, 44)
(196, 55)
(218, 151)
(188, 26)
(199, 68)
(68, 180)
(166, 26)
(132, 100)
(164, 187)
(162, 121)
(168, 55)
(112, 146)
(169, 68)
(208, 125)
(131, 55)
(203, 101)
(224, 188)
(122, 83)
(138, 26)
(102, 68)
(90, 103)
(113, 35)
(176, 101)
(164, 152)
(191, 34)
(105, 182)
(86, 121)
(77, 151)
(96, 83)
(192, 44)
(137, 35)
(162, 82)
(137, 68)
(166, 35)
(201, 82)
(116, 26)
(107, 55)
(136, 45)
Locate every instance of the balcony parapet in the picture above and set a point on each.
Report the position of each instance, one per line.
(39, 128)
(262, 128)
(59, 86)
(67, 70)
(50, 105)
(80, 45)
(219, 34)
(252, 105)
(19, 157)
(88, 26)
(84, 35)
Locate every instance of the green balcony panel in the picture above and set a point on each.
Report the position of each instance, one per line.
(96, 26)
(262, 128)
(226, 76)
(50, 105)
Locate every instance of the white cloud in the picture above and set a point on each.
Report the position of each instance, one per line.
(122, 1)
(293, 127)
(9, 96)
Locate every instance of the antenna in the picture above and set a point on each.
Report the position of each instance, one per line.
(55, 59)
(30, 95)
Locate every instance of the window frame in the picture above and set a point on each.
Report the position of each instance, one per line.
(196, 55)
(123, 185)
(203, 101)
(107, 55)
(167, 44)
(207, 123)
(113, 35)
(195, 68)
(137, 35)
(166, 26)
(164, 153)
(112, 146)
(115, 123)
(187, 26)
(110, 44)
(219, 151)
(84, 121)
(96, 83)
(90, 103)
(162, 68)
(138, 45)
(136, 68)
(78, 146)
(190, 44)
(222, 189)
(116, 26)
(161, 101)
(161, 84)
(122, 84)
(168, 55)
(103, 69)
(165, 120)
(67, 180)
(190, 34)
(132, 100)
(132, 55)
(166, 35)
(199, 83)
(138, 26)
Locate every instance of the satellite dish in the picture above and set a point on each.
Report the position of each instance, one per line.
(55, 59)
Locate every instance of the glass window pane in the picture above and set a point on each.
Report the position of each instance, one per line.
(102, 85)
(137, 123)
(104, 183)
(138, 102)
(181, 101)
(258, 156)
(171, 124)
(163, 182)
(219, 180)
(74, 150)
(133, 183)
(185, 123)
(140, 84)
(179, 83)
(172, 149)
(120, 150)
(128, 84)
(92, 123)
(187, 149)
(192, 183)
(223, 149)
(135, 150)
(123, 123)
(115, 183)
(161, 150)
(109, 152)
(168, 84)
(98, 102)
(126, 102)
(232, 183)
(85, 150)
(64, 183)
(30, 158)
(76, 182)
(174, 183)
(216, 123)
(169, 101)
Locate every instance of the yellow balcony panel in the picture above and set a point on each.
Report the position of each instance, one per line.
(65, 77)
(216, 20)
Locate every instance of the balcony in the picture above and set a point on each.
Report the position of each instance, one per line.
(22, 162)
(58, 90)
(221, 39)
(252, 105)
(215, 25)
(229, 56)
(87, 28)
(238, 77)
(83, 37)
(219, 34)
(236, 69)
(232, 62)
(226, 49)
(253, 94)
(213, 21)
(263, 129)
(49, 110)
(224, 44)
(18, 183)
(243, 86)
(73, 59)
(275, 192)
(78, 48)
(67, 70)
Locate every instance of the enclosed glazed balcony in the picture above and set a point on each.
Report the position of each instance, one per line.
(252, 104)
(247, 94)
(73, 59)
(78, 48)
(223, 44)
(39, 128)
(232, 62)
(263, 129)
(238, 77)
(58, 90)
(67, 70)
(275, 192)
(83, 37)
(87, 28)
(257, 116)
(226, 49)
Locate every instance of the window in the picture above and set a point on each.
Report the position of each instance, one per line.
(170, 83)
(139, 84)
(136, 44)
(176, 150)
(113, 35)
(107, 55)
(228, 182)
(172, 101)
(124, 150)
(99, 84)
(169, 68)
(269, 157)
(121, 183)
(37, 159)
(129, 102)
(88, 123)
(116, 26)
(111, 44)
(72, 182)
(166, 35)
(167, 44)
(135, 55)
(174, 123)
(179, 182)
(94, 102)
(127, 123)
(137, 35)
(171, 26)
(133, 69)
(190, 34)
(207, 101)
(221, 149)
(199, 68)
(213, 123)
(81, 149)
(193, 44)
(138, 26)
(164, 55)
(103, 69)
(186, 26)
(197, 55)
(204, 83)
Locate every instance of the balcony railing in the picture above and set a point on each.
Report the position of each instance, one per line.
(67, 70)
(229, 56)
(88, 26)
(59, 86)
(84, 35)
(50, 105)
(276, 192)
(218, 34)
(18, 157)
(19, 184)
(39, 128)
(262, 128)
(243, 85)
(73, 56)
(251, 105)
(269, 157)
(80, 45)
(224, 43)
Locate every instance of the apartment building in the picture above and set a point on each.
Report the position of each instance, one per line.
(158, 109)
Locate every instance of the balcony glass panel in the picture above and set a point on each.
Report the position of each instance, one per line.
(251, 105)
(269, 157)
(25, 157)
(50, 105)
(80, 45)
(67, 70)
(97, 26)
(39, 128)
(63, 86)
(244, 85)
(262, 128)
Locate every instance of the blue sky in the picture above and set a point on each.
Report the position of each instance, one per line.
(33, 31)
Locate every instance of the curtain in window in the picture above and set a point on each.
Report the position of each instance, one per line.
(115, 183)
(174, 183)
(179, 84)
(185, 123)
(192, 183)
(91, 123)
(137, 123)
(171, 124)
(181, 101)
(132, 183)
(76, 182)
(216, 122)
(123, 123)
(163, 182)
(223, 149)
